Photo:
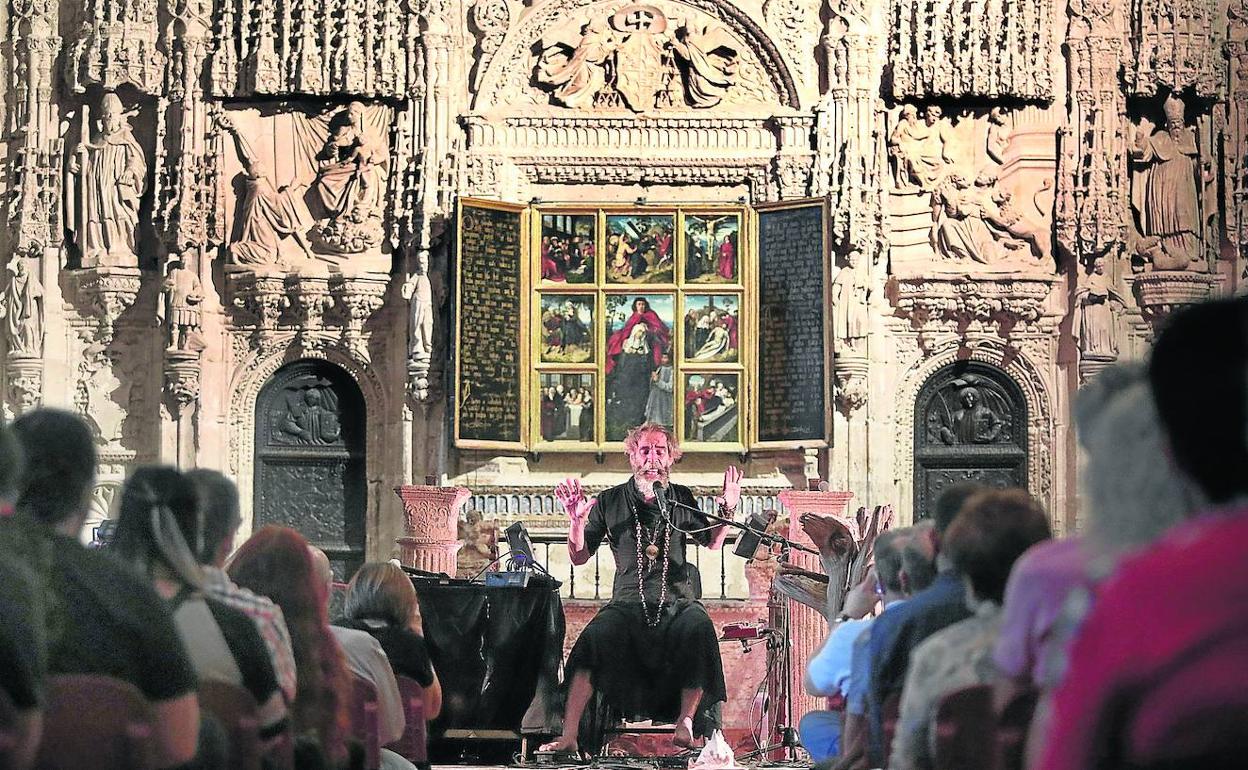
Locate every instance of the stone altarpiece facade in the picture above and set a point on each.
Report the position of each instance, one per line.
(204, 192)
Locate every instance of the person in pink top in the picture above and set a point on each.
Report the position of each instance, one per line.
(1159, 671)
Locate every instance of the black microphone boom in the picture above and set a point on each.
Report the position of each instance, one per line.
(660, 494)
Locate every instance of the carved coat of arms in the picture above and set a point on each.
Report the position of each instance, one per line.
(639, 59)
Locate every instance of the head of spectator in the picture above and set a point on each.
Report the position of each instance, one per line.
(1198, 373)
(218, 502)
(889, 546)
(382, 591)
(276, 562)
(158, 525)
(992, 530)
(918, 558)
(11, 465)
(60, 468)
(1134, 493)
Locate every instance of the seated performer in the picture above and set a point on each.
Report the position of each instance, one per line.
(652, 652)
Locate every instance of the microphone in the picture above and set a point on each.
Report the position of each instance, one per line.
(660, 494)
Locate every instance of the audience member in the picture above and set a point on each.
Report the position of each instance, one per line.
(158, 531)
(828, 672)
(218, 499)
(105, 619)
(918, 571)
(367, 660)
(1165, 643)
(276, 562)
(23, 640)
(381, 600)
(895, 634)
(993, 529)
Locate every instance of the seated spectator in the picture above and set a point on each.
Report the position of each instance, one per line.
(159, 514)
(381, 600)
(1174, 610)
(218, 499)
(276, 562)
(107, 619)
(23, 639)
(994, 528)
(828, 672)
(918, 571)
(894, 635)
(367, 660)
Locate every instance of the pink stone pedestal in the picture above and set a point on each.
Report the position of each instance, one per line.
(806, 627)
(432, 515)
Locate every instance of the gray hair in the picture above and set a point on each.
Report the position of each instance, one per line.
(1134, 492)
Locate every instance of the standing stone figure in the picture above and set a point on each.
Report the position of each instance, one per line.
(22, 311)
(1164, 188)
(849, 303)
(182, 297)
(111, 175)
(1094, 316)
(418, 291)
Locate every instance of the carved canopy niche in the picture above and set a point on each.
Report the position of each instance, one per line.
(654, 57)
(319, 47)
(983, 48)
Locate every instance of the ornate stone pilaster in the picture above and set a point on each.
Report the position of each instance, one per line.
(310, 299)
(999, 304)
(431, 523)
(793, 164)
(807, 628)
(104, 294)
(182, 380)
(262, 295)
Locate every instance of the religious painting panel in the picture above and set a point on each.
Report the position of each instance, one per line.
(567, 406)
(638, 364)
(639, 248)
(567, 328)
(710, 328)
(712, 414)
(712, 248)
(569, 253)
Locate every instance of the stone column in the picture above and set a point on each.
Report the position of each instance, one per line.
(806, 626)
(431, 517)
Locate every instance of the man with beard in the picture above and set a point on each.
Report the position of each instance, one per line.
(652, 652)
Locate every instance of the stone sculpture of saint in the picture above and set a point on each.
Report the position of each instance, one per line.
(315, 421)
(973, 422)
(110, 176)
(1164, 188)
(1093, 323)
(849, 303)
(22, 310)
(418, 291)
(349, 178)
(182, 298)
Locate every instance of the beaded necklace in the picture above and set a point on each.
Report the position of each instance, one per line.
(641, 583)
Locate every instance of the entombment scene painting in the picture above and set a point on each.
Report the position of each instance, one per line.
(711, 412)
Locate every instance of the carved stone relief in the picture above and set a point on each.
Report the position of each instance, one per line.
(1094, 316)
(638, 59)
(1177, 46)
(491, 18)
(315, 191)
(180, 306)
(22, 310)
(989, 49)
(109, 171)
(795, 23)
(850, 292)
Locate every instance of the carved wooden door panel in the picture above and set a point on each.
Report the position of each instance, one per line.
(310, 472)
(970, 425)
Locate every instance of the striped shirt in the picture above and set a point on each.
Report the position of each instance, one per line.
(268, 619)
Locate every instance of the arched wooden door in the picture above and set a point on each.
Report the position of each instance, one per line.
(970, 425)
(310, 472)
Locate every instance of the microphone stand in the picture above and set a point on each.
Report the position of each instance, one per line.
(781, 647)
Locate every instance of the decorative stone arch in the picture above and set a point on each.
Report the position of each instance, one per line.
(250, 376)
(1036, 394)
(520, 38)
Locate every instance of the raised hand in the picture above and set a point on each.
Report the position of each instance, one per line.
(731, 496)
(570, 495)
